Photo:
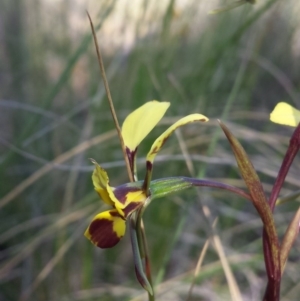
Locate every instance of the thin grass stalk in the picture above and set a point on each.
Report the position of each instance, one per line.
(47, 269)
(199, 263)
(51, 165)
(110, 101)
(232, 283)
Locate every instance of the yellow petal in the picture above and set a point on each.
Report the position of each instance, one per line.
(285, 114)
(106, 229)
(130, 201)
(159, 142)
(101, 184)
(140, 122)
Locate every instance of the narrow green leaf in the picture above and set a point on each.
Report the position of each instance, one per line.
(167, 186)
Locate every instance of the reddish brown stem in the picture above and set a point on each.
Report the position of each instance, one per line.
(273, 287)
(285, 166)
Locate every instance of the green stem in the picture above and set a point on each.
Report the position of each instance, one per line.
(147, 261)
(137, 259)
(143, 246)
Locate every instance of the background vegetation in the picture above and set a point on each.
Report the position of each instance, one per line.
(54, 116)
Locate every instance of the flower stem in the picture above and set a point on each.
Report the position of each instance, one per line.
(273, 287)
(285, 166)
(110, 101)
(147, 261)
(137, 259)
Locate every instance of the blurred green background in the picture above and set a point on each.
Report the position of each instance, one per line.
(54, 116)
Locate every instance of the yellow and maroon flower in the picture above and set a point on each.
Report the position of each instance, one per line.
(107, 228)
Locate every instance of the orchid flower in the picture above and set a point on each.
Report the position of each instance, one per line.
(129, 201)
(107, 228)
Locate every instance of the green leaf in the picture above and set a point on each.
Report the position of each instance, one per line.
(166, 186)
